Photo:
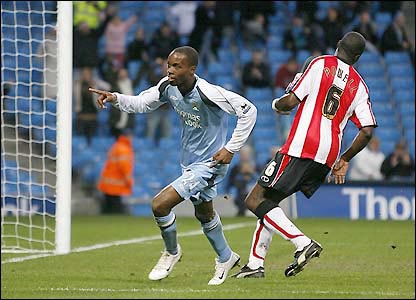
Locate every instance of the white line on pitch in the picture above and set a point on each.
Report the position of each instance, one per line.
(122, 242)
(190, 290)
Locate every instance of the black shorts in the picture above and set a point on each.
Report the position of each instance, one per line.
(285, 175)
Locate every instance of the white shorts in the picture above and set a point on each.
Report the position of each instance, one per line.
(198, 181)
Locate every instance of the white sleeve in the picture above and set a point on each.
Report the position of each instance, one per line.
(236, 105)
(363, 114)
(304, 84)
(147, 101)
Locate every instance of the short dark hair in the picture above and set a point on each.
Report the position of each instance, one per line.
(190, 53)
(353, 43)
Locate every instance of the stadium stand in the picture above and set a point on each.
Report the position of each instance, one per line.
(390, 79)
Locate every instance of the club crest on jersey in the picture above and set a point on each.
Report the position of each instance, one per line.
(194, 106)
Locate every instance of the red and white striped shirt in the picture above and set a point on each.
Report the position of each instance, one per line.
(331, 93)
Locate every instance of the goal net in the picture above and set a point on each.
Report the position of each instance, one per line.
(36, 100)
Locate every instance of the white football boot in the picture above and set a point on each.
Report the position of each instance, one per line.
(222, 269)
(165, 265)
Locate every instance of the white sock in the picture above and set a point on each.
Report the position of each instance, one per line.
(262, 238)
(277, 221)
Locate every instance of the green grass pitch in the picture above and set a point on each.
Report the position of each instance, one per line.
(361, 259)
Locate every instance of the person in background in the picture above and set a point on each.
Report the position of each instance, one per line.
(307, 10)
(88, 12)
(399, 165)
(369, 30)
(85, 42)
(163, 41)
(120, 120)
(298, 36)
(256, 73)
(242, 176)
(249, 10)
(366, 164)
(286, 73)
(115, 36)
(351, 9)
(108, 71)
(206, 35)
(137, 50)
(333, 29)
(116, 179)
(85, 106)
(254, 32)
(181, 17)
(395, 36)
(158, 124)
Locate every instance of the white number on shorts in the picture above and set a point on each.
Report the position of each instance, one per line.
(270, 169)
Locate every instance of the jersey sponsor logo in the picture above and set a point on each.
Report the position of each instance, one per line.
(189, 119)
(191, 123)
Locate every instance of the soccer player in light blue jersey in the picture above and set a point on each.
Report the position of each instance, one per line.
(205, 153)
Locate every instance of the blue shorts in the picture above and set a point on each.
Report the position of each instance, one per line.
(198, 181)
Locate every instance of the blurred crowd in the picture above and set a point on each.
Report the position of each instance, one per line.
(104, 55)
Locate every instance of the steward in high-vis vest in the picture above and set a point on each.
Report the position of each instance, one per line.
(117, 176)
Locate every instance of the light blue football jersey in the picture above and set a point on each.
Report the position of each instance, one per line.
(203, 113)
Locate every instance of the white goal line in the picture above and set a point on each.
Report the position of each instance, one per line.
(122, 242)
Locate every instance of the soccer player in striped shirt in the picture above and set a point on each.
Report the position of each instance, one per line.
(328, 93)
(205, 153)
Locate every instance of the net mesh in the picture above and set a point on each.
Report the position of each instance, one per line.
(28, 125)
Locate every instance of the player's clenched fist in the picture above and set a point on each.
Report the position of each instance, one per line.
(103, 97)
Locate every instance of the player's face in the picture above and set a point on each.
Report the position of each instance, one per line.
(179, 71)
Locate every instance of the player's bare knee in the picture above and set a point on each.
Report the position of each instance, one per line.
(203, 217)
(160, 208)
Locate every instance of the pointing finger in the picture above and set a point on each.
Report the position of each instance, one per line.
(96, 91)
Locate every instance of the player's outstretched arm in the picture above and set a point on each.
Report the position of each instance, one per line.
(147, 101)
(103, 97)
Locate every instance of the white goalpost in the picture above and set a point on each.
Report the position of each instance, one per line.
(36, 126)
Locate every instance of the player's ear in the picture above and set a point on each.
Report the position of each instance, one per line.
(356, 58)
(192, 69)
